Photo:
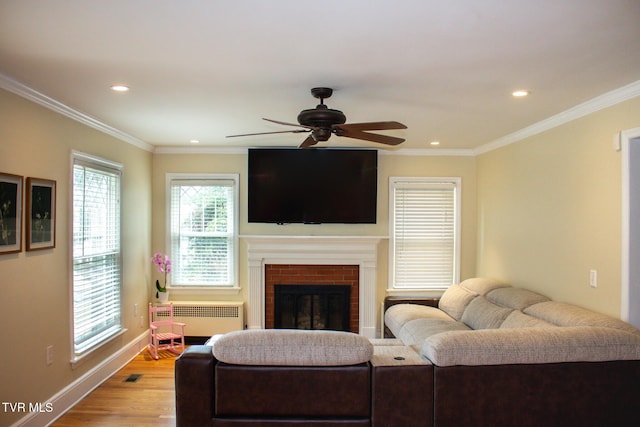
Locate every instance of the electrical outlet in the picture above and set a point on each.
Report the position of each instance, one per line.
(593, 278)
(135, 310)
(49, 352)
(141, 322)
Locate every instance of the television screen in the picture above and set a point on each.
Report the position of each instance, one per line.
(312, 186)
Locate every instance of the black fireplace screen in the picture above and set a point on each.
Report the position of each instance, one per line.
(312, 307)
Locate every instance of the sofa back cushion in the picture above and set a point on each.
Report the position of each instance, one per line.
(285, 347)
(482, 314)
(516, 298)
(455, 299)
(564, 314)
(482, 285)
(518, 319)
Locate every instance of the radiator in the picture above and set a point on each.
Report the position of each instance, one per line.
(204, 319)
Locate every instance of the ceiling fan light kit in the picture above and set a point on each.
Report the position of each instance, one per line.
(323, 121)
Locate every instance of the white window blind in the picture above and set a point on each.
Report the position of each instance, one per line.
(203, 228)
(425, 232)
(96, 254)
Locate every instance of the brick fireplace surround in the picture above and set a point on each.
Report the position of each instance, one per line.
(319, 251)
(301, 274)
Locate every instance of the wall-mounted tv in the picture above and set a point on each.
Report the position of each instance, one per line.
(312, 185)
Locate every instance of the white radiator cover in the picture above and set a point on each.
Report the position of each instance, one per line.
(204, 319)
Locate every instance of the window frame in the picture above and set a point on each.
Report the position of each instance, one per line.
(233, 287)
(394, 182)
(119, 329)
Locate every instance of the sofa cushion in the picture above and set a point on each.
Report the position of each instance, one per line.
(482, 314)
(563, 314)
(415, 331)
(516, 298)
(482, 285)
(292, 348)
(455, 299)
(398, 315)
(518, 319)
(530, 345)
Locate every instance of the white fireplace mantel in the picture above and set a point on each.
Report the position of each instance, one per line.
(314, 250)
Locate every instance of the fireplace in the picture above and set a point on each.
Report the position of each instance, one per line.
(300, 279)
(324, 307)
(358, 251)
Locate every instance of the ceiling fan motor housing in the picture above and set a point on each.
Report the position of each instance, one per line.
(321, 119)
(321, 116)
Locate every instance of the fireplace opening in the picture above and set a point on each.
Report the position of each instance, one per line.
(312, 307)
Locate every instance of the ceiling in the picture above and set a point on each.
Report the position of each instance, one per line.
(206, 69)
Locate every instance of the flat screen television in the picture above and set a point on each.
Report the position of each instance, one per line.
(312, 186)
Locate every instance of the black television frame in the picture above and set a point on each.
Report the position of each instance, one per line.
(312, 186)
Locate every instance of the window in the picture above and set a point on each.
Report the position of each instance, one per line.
(203, 228)
(425, 232)
(96, 253)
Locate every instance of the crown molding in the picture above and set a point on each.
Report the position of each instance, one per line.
(162, 149)
(39, 98)
(593, 105)
(433, 152)
(598, 103)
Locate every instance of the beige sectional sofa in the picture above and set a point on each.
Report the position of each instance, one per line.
(521, 358)
(484, 321)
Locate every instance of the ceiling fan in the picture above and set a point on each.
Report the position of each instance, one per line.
(323, 121)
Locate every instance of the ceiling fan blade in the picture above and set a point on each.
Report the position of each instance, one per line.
(308, 142)
(269, 133)
(366, 136)
(287, 124)
(372, 126)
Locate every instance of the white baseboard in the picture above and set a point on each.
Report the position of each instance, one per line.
(66, 398)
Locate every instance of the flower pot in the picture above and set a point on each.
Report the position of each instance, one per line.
(163, 297)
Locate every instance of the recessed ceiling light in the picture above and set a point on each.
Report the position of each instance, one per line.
(194, 141)
(434, 143)
(520, 93)
(120, 88)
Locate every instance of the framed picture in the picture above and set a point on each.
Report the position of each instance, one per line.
(10, 213)
(41, 214)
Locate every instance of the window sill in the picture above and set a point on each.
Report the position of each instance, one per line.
(78, 358)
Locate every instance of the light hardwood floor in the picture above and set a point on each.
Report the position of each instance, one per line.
(150, 401)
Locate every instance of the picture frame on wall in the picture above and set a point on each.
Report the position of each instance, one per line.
(10, 213)
(40, 214)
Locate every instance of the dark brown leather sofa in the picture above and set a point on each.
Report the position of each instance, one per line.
(384, 391)
(586, 394)
(487, 355)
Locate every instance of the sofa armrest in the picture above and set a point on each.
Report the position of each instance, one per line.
(390, 301)
(194, 383)
(530, 346)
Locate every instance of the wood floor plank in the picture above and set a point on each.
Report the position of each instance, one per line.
(149, 401)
